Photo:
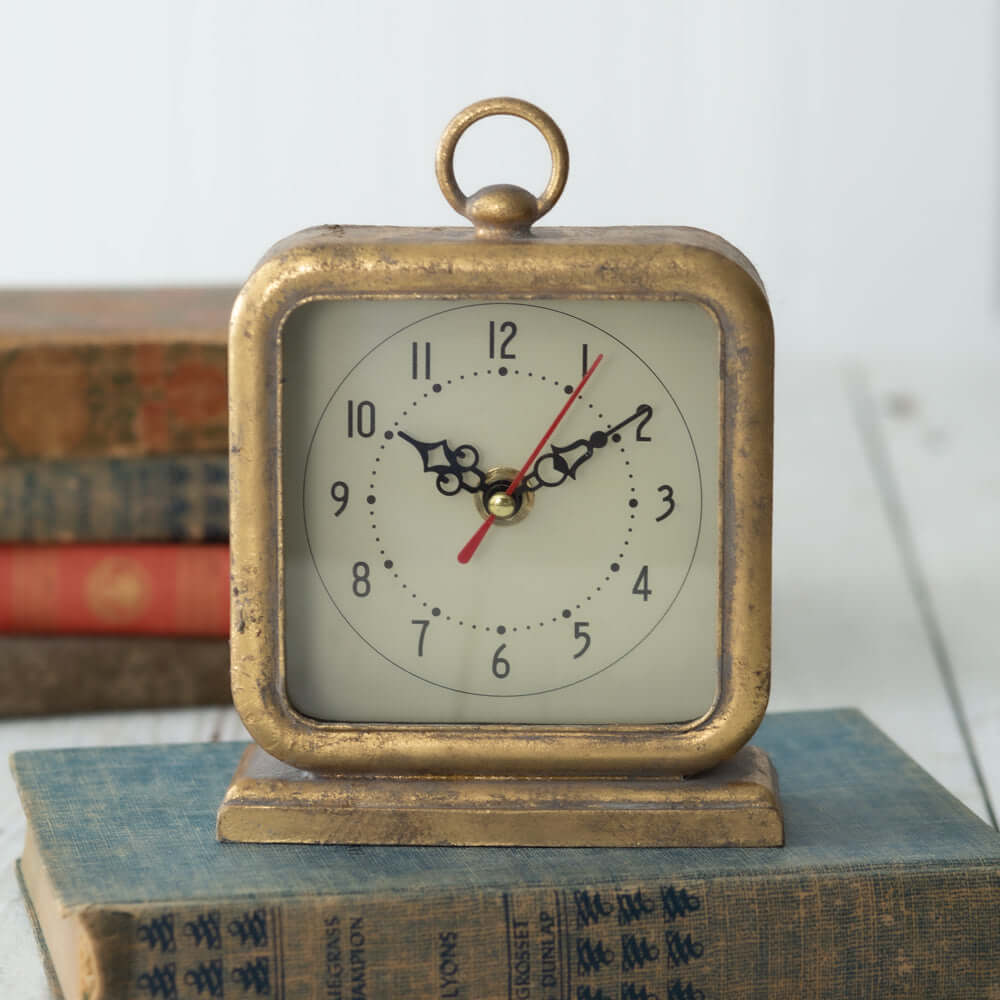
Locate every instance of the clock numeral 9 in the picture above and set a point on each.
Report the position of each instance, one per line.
(505, 328)
(641, 585)
(668, 499)
(501, 667)
(362, 585)
(341, 493)
(361, 418)
(579, 632)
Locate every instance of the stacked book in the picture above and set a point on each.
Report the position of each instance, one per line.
(114, 526)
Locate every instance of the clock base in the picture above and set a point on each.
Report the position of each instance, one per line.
(735, 804)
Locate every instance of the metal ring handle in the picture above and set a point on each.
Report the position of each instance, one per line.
(445, 167)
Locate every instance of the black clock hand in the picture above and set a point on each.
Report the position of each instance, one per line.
(562, 462)
(455, 468)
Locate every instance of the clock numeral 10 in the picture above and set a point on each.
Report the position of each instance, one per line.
(361, 418)
(415, 359)
(508, 328)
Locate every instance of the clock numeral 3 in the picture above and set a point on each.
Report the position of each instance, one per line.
(361, 418)
(579, 632)
(423, 623)
(501, 667)
(362, 585)
(505, 328)
(641, 585)
(668, 499)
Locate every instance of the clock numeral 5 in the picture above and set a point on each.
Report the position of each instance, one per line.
(501, 667)
(579, 632)
(361, 418)
(505, 328)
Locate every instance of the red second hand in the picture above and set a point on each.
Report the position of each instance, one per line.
(469, 549)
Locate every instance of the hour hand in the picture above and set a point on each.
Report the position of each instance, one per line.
(455, 469)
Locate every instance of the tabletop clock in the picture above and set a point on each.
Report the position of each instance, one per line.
(500, 531)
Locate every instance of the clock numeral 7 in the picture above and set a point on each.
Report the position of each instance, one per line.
(508, 328)
(423, 623)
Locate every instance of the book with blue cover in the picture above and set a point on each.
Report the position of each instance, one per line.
(887, 887)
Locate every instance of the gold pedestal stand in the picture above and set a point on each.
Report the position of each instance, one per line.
(734, 805)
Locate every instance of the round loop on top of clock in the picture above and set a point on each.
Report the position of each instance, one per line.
(502, 210)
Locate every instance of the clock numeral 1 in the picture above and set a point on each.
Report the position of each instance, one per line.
(641, 585)
(365, 422)
(415, 367)
(579, 632)
(501, 667)
(423, 623)
(362, 585)
(586, 360)
(508, 328)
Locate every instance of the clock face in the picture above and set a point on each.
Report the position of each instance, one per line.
(593, 594)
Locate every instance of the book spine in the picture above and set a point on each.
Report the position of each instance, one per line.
(180, 498)
(168, 590)
(58, 674)
(64, 399)
(802, 936)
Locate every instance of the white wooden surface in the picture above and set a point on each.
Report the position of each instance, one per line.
(886, 589)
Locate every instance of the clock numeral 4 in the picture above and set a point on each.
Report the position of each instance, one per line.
(501, 667)
(641, 586)
(360, 418)
(508, 328)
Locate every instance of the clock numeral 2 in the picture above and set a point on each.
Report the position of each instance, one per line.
(361, 418)
(511, 330)
(501, 667)
(415, 367)
(641, 585)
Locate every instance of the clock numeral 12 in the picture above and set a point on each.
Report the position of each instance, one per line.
(415, 367)
(511, 330)
(365, 422)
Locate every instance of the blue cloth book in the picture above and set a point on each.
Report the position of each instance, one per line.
(887, 888)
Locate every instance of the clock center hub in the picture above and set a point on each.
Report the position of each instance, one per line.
(494, 501)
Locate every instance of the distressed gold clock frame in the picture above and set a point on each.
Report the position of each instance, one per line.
(607, 785)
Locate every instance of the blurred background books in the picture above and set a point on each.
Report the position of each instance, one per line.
(113, 499)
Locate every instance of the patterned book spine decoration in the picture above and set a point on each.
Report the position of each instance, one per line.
(182, 498)
(122, 373)
(95, 673)
(801, 937)
(167, 590)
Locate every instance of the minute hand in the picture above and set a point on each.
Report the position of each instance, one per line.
(563, 461)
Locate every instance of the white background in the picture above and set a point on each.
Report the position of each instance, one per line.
(849, 148)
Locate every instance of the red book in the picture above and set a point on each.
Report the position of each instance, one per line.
(176, 590)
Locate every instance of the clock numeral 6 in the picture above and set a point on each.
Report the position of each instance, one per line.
(423, 623)
(505, 328)
(341, 494)
(361, 418)
(362, 585)
(579, 632)
(641, 585)
(501, 667)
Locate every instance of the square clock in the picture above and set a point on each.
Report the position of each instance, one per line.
(500, 531)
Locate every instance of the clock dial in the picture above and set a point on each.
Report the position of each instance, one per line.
(592, 595)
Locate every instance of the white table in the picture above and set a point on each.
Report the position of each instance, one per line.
(886, 589)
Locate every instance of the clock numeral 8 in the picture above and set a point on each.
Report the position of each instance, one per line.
(362, 585)
(501, 667)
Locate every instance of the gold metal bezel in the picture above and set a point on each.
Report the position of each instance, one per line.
(650, 263)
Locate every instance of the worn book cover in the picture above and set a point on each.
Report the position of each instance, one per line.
(887, 888)
(47, 675)
(122, 373)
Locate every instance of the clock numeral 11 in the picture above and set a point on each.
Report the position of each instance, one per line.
(415, 359)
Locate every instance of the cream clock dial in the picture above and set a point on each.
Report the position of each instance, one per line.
(424, 583)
